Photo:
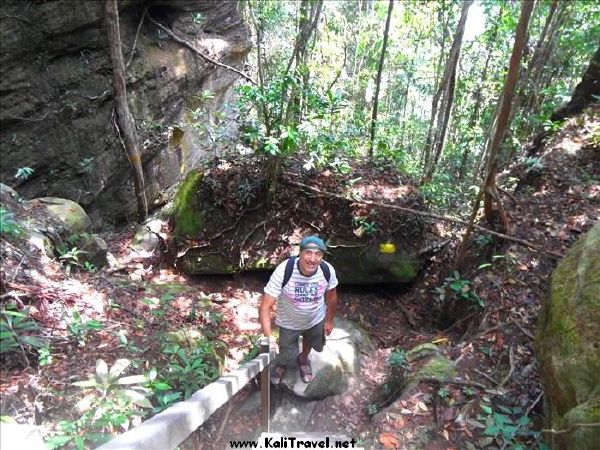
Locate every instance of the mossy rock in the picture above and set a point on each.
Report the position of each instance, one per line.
(200, 261)
(68, 217)
(188, 212)
(434, 367)
(422, 351)
(356, 263)
(569, 344)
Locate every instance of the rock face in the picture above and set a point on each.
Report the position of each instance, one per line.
(569, 346)
(57, 108)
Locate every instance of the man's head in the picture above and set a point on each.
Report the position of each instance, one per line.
(312, 249)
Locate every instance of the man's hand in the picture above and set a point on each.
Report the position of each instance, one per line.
(328, 327)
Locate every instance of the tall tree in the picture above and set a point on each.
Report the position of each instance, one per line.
(378, 77)
(478, 95)
(446, 91)
(126, 123)
(489, 190)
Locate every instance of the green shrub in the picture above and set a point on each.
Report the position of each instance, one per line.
(17, 333)
(190, 370)
(8, 224)
(458, 288)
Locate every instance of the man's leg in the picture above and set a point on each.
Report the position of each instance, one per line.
(313, 338)
(288, 346)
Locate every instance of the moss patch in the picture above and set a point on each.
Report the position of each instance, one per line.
(187, 212)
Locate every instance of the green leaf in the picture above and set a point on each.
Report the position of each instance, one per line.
(486, 409)
(133, 379)
(524, 421)
(119, 366)
(33, 341)
(160, 386)
(492, 430)
(79, 442)
(137, 398)
(14, 313)
(101, 369)
(94, 325)
(85, 383)
(501, 419)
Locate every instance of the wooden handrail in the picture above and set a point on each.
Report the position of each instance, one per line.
(169, 428)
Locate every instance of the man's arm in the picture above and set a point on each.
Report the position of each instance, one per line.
(264, 315)
(331, 300)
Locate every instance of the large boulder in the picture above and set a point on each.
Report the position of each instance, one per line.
(54, 226)
(569, 346)
(57, 96)
(225, 226)
(66, 216)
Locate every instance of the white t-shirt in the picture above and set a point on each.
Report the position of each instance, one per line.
(301, 303)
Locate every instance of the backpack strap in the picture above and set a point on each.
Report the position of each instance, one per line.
(326, 271)
(289, 268)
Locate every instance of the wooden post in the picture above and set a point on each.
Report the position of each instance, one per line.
(265, 388)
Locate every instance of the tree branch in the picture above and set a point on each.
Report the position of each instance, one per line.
(137, 34)
(571, 428)
(425, 214)
(191, 46)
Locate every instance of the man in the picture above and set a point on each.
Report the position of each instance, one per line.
(306, 305)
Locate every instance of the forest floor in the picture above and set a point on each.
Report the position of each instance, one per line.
(556, 201)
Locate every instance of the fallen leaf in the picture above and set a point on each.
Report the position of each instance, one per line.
(389, 440)
(446, 435)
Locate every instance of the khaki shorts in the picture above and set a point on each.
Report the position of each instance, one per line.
(288, 342)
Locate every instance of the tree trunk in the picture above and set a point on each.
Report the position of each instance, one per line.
(447, 86)
(587, 91)
(478, 98)
(378, 78)
(306, 27)
(489, 190)
(125, 118)
(439, 87)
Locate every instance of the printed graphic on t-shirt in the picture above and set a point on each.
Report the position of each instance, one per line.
(307, 292)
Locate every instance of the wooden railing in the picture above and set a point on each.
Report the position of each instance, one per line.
(169, 428)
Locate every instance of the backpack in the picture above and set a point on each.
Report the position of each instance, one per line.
(289, 268)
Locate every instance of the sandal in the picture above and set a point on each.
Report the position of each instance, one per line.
(277, 374)
(306, 374)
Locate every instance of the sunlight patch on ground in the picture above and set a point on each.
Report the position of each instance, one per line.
(381, 192)
(571, 147)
